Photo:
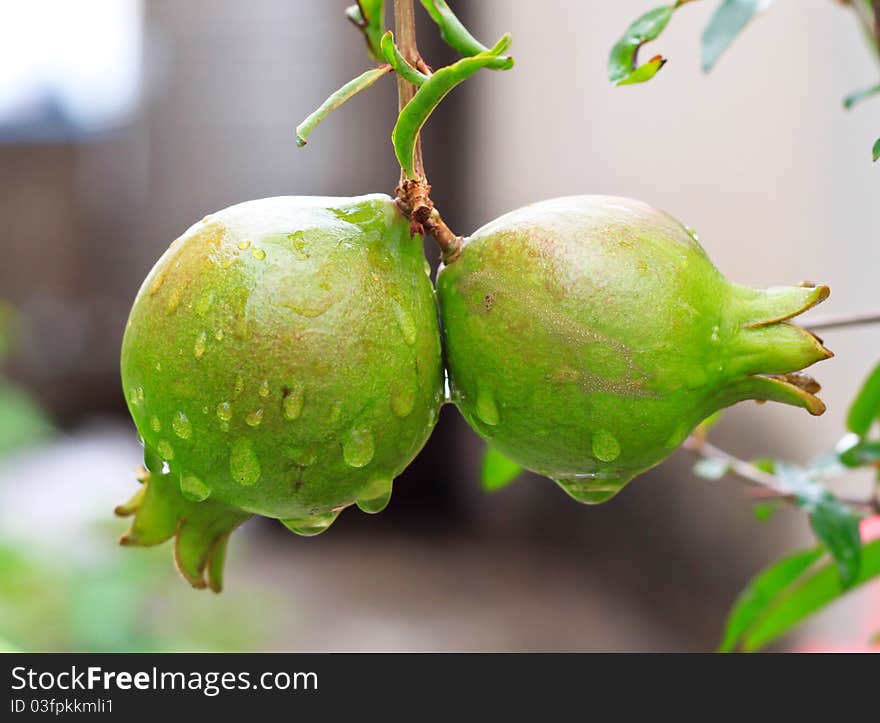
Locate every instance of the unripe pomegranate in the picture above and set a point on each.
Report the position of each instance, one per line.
(283, 359)
(587, 336)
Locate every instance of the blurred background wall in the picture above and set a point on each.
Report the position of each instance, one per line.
(204, 96)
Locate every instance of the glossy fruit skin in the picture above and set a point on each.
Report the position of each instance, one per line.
(587, 336)
(283, 357)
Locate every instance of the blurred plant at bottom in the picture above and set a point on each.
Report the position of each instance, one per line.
(123, 603)
(63, 594)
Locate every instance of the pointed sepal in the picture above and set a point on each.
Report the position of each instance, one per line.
(200, 529)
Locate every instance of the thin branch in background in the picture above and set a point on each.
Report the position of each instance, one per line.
(821, 323)
(769, 485)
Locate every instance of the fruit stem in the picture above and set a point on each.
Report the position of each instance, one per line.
(413, 195)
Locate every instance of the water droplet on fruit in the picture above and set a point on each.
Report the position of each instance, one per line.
(309, 526)
(155, 424)
(133, 398)
(263, 391)
(259, 254)
(403, 397)
(166, 468)
(405, 322)
(193, 489)
(486, 408)
(165, 450)
(205, 409)
(292, 404)
(204, 303)
(224, 411)
(173, 301)
(605, 445)
(254, 418)
(358, 449)
(592, 488)
(375, 496)
(181, 425)
(239, 386)
(693, 234)
(335, 412)
(716, 334)
(243, 463)
(200, 345)
(218, 335)
(244, 245)
(301, 456)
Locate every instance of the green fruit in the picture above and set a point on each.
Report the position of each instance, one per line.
(587, 336)
(283, 359)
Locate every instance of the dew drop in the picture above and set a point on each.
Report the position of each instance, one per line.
(239, 386)
(263, 391)
(181, 425)
(224, 411)
(193, 489)
(140, 394)
(292, 404)
(375, 496)
(259, 254)
(358, 449)
(133, 398)
(313, 525)
(244, 464)
(486, 408)
(405, 322)
(166, 468)
(166, 451)
(403, 397)
(204, 303)
(254, 418)
(244, 245)
(200, 345)
(605, 445)
(593, 488)
(155, 424)
(205, 409)
(218, 335)
(173, 301)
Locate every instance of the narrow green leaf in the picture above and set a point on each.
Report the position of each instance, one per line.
(761, 591)
(862, 454)
(866, 406)
(832, 521)
(807, 597)
(369, 17)
(428, 96)
(623, 68)
(349, 90)
(728, 21)
(401, 65)
(457, 36)
(860, 95)
(498, 471)
(875, 151)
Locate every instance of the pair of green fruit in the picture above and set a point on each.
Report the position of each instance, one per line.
(284, 356)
